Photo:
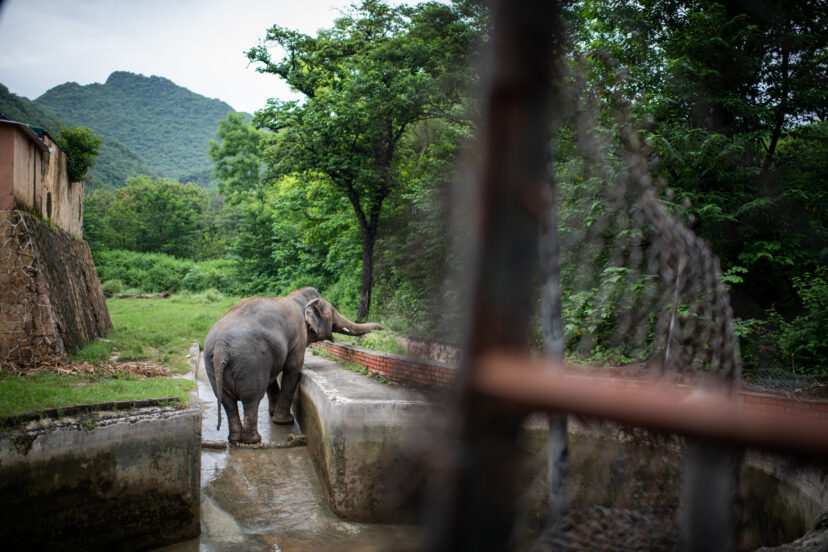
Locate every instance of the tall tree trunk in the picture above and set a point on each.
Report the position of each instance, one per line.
(369, 238)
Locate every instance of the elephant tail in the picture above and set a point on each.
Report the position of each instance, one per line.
(220, 355)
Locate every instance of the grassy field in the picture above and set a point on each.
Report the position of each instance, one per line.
(159, 331)
(156, 331)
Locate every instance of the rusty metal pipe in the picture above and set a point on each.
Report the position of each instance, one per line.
(709, 414)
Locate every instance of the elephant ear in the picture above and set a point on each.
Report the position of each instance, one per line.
(313, 317)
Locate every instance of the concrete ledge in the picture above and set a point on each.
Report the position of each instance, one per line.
(356, 428)
(111, 480)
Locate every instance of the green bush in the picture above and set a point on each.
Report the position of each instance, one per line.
(799, 344)
(113, 286)
(805, 338)
(154, 272)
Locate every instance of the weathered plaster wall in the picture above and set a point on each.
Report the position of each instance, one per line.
(6, 167)
(61, 201)
(51, 301)
(106, 481)
(27, 166)
(34, 171)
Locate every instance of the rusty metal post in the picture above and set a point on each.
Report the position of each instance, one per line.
(481, 506)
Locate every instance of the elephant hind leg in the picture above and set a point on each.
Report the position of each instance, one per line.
(282, 415)
(272, 397)
(232, 410)
(250, 432)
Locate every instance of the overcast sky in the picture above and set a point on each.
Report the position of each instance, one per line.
(198, 44)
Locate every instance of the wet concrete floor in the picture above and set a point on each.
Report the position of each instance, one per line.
(271, 499)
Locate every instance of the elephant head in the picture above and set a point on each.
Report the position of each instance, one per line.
(322, 319)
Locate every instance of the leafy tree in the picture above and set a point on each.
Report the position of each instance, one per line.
(732, 94)
(146, 215)
(238, 155)
(378, 71)
(82, 146)
(725, 83)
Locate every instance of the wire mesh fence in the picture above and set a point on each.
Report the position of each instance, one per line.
(637, 294)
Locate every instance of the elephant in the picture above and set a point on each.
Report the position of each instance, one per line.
(255, 341)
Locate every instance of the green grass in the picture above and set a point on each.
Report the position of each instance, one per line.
(352, 366)
(384, 341)
(158, 331)
(22, 394)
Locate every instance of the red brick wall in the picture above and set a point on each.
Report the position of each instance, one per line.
(438, 374)
(394, 367)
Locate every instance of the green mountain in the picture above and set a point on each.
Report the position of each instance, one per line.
(18, 108)
(115, 162)
(149, 125)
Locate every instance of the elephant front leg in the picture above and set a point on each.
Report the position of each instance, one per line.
(231, 408)
(282, 415)
(250, 431)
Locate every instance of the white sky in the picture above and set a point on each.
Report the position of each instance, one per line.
(198, 44)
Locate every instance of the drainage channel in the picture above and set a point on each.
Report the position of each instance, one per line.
(271, 499)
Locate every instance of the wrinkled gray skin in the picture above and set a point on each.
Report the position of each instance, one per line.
(259, 338)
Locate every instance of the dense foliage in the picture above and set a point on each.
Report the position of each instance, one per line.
(149, 215)
(733, 96)
(348, 190)
(81, 146)
(121, 270)
(367, 82)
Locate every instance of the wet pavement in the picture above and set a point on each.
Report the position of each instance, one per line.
(271, 499)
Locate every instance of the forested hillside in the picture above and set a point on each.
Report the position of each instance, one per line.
(152, 125)
(148, 125)
(115, 162)
(21, 109)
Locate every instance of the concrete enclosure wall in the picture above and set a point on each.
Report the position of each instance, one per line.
(51, 301)
(110, 481)
(357, 431)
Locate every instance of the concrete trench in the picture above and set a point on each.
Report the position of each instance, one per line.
(272, 499)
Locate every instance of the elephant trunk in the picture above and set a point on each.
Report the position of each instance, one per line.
(344, 326)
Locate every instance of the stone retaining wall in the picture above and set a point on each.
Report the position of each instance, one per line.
(106, 480)
(51, 301)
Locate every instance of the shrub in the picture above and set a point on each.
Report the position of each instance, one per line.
(799, 344)
(154, 272)
(113, 286)
(804, 338)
